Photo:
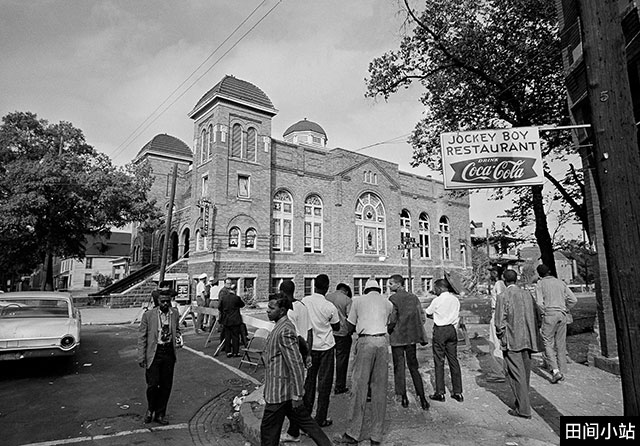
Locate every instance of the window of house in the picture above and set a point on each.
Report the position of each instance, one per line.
(316, 140)
(198, 240)
(249, 287)
(282, 221)
(425, 237)
(313, 224)
(252, 144)
(204, 144)
(244, 190)
(236, 141)
(463, 255)
(250, 238)
(205, 185)
(370, 225)
(276, 282)
(234, 237)
(88, 262)
(223, 133)
(426, 283)
(210, 140)
(445, 238)
(87, 280)
(309, 283)
(405, 229)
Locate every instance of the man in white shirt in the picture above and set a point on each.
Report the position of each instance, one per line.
(368, 317)
(324, 319)
(445, 311)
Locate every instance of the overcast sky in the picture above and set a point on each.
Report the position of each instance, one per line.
(105, 66)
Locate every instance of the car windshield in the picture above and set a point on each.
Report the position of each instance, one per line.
(33, 307)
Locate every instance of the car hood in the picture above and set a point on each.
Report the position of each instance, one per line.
(37, 328)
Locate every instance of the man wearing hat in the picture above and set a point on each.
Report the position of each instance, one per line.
(368, 317)
(445, 311)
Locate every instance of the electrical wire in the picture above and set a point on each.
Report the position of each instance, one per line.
(142, 127)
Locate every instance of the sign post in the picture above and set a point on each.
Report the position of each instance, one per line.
(408, 243)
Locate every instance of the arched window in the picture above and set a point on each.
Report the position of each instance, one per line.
(236, 141)
(371, 234)
(234, 237)
(313, 219)
(252, 142)
(445, 238)
(425, 237)
(282, 221)
(198, 240)
(405, 228)
(212, 137)
(204, 144)
(250, 238)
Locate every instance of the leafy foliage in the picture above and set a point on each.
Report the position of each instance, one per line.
(55, 189)
(488, 64)
(102, 280)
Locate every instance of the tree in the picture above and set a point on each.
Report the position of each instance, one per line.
(584, 257)
(102, 280)
(55, 189)
(494, 63)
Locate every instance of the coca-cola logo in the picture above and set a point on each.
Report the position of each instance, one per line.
(493, 170)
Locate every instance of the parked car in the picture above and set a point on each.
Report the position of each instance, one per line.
(38, 324)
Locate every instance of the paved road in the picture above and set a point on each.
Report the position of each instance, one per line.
(99, 397)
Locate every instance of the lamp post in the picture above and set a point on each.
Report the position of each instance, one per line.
(408, 243)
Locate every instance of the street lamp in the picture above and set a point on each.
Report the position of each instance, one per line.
(408, 243)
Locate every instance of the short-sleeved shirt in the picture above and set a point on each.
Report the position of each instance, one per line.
(370, 313)
(343, 304)
(322, 314)
(300, 318)
(445, 309)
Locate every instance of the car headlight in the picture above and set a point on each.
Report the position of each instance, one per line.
(67, 341)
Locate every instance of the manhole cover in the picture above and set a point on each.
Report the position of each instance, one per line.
(235, 382)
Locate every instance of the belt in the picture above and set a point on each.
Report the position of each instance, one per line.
(443, 326)
(372, 335)
(165, 345)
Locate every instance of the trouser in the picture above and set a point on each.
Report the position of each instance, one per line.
(554, 333)
(343, 349)
(232, 338)
(370, 370)
(320, 373)
(159, 377)
(518, 372)
(445, 343)
(398, 353)
(273, 418)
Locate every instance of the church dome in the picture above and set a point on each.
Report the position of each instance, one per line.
(233, 89)
(166, 145)
(305, 126)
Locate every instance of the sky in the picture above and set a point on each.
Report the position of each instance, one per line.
(124, 71)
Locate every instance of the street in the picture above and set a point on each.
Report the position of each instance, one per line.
(98, 397)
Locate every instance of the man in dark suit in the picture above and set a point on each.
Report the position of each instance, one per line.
(229, 307)
(517, 329)
(406, 329)
(159, 337)
(284, 379)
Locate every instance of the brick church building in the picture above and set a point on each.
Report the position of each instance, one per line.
(260, 209)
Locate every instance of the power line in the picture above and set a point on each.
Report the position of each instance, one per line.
(397, 139)
(142, 127)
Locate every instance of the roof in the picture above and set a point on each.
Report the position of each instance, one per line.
(231, 87)
(305, 126)
(168, 145)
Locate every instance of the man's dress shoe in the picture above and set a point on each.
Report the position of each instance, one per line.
(148, 417)
(405, 401)
(437, 397)
(458, 397)
(424, 403)
(160, 419)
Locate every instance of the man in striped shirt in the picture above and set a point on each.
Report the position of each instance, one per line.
(284, 380)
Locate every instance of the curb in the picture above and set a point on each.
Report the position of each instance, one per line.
(249, 423)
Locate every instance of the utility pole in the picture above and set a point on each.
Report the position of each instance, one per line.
(409, 243)
(167, 228)
(616, 163)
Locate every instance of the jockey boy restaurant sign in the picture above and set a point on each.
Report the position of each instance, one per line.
(492, 158)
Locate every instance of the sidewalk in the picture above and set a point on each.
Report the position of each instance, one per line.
(108, 316)
(482, 418)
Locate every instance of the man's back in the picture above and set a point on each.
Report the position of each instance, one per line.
(554, 294)
(408, 323)
(343, 304)
(516, 316)
(322, 314)
(370, 313)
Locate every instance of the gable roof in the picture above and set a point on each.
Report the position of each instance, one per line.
(369, 160)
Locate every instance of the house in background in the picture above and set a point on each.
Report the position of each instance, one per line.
(76, 276)
(565, 267)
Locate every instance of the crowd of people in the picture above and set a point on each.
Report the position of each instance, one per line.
(316, 336)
